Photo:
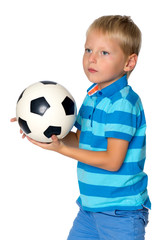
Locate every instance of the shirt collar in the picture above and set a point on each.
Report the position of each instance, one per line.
(109, 90)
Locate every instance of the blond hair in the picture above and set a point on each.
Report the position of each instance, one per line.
(122, 29)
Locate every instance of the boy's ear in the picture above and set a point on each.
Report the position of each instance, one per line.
(131, 62)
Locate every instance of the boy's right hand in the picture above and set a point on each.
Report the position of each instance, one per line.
(21, 132)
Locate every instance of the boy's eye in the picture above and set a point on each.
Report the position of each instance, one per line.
(105, 53)
(87, 50)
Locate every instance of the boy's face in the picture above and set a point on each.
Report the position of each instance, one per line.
(103, 60)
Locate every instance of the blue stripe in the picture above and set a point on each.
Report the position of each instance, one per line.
(113, 192)
(93, 141)
(88, 137)
(119, 135)
(126, 169)
(120, 117)
(132, 97)
(85, 111)
(137, 142)
(116, 97)
(101, 116)
(147, 203)
(141, 120)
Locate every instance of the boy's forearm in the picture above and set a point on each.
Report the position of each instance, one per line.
(95, 159)
(71, 139)
(111, 159)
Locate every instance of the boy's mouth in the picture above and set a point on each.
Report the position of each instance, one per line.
(91, 70)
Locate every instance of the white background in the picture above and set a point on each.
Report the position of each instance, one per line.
(44, 40)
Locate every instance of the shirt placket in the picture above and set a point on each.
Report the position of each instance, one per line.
(96, 100)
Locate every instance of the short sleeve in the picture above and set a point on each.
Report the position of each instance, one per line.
(121, 120)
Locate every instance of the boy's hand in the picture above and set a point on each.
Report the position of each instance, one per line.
(56, 145)
(13, 119)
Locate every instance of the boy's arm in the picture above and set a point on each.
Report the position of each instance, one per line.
(72, 139)
(110, 160)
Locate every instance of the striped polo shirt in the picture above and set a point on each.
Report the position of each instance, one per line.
(116, 111)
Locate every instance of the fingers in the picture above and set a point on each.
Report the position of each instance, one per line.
(13, 119)
(54, 138)
(23, 134)
(54, 145)
(31, 140)
(39, 144)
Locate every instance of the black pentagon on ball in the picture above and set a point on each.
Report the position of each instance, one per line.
(39, 106)
(68, 106)
(24, 126)
(21, 95)
(52, 130)
(48, 82)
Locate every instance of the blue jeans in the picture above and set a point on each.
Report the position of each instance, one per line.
(110, 225)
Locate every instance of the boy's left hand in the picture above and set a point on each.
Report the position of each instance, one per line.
(55, 145)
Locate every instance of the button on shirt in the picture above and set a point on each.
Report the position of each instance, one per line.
(116, 111)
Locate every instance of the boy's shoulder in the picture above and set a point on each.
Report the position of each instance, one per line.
(125, 94)
(126, 98)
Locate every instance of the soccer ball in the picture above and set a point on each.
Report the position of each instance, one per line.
(46, 108)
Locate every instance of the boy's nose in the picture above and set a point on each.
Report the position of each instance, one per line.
(93, 58)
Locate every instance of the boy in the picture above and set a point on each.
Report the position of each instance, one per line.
(109, 144)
